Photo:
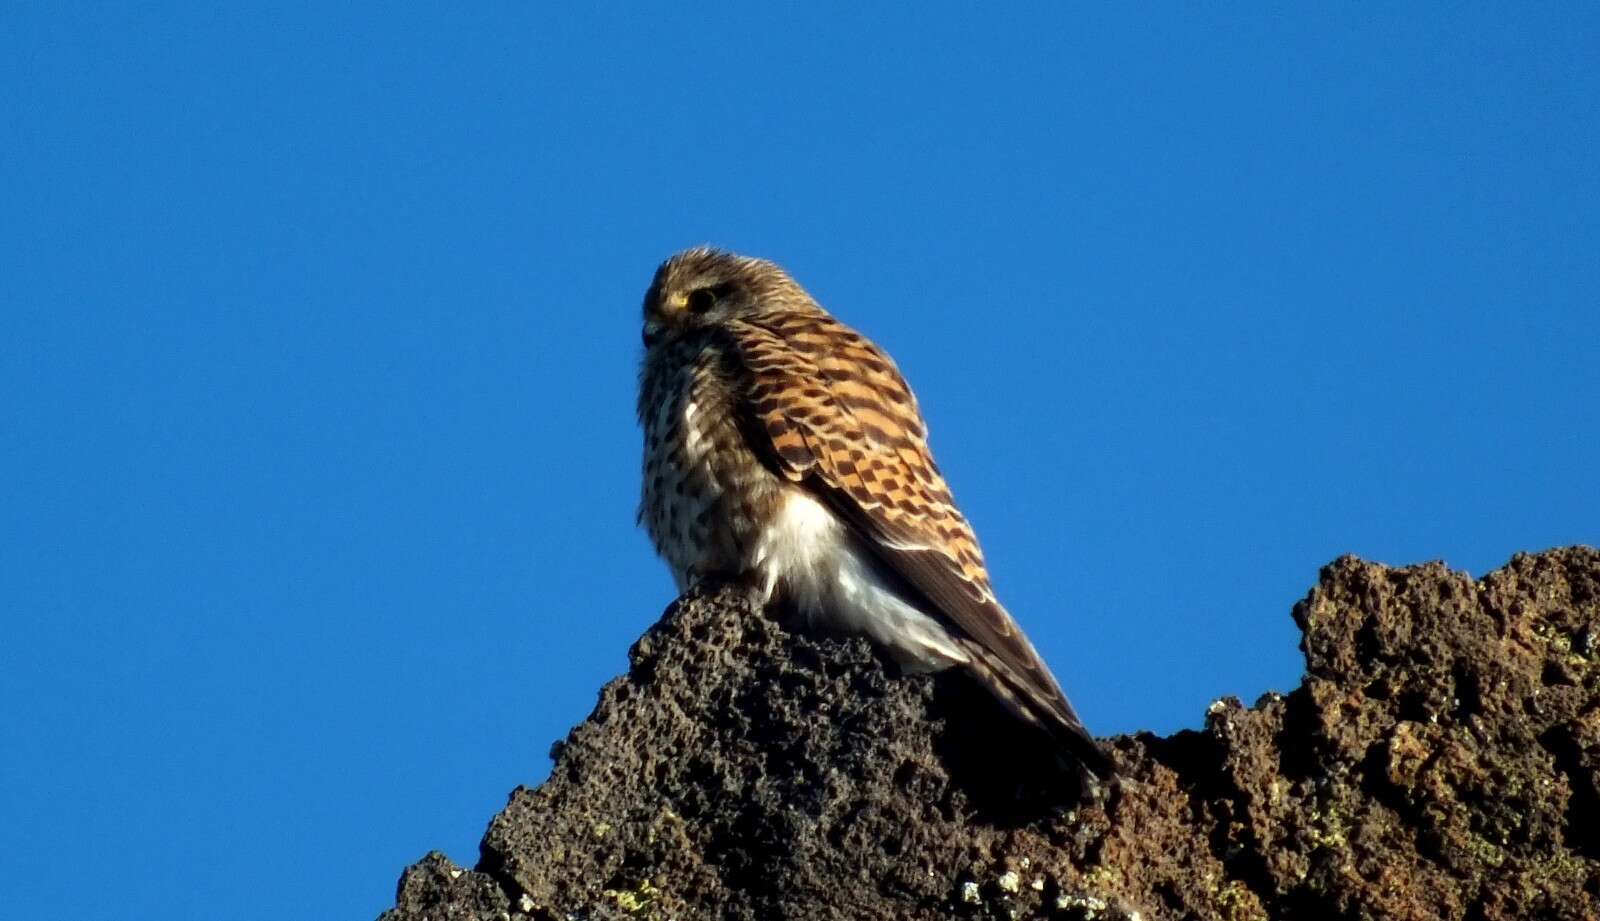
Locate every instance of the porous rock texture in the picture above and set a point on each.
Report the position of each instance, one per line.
(1440, 759)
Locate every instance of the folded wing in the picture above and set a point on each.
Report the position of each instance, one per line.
(831, 412)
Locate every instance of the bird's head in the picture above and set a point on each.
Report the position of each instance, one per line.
(703, 287)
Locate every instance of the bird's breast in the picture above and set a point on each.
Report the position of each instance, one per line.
(705, 492)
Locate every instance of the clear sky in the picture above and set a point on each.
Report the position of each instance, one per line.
(317, 454)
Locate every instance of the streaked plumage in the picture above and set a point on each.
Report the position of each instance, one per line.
(784, 448)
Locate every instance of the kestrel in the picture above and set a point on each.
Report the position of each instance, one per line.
(784, 449)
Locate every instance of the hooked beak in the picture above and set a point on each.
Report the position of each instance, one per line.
(658, 313)
(653, 331)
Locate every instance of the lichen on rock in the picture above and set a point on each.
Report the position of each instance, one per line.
(1440, 759)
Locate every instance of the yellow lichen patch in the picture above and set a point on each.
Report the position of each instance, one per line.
(636, 901)
(1236, 902)
(1328, 827)
(1103, 877)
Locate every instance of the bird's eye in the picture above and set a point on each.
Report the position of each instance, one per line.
(701, 300)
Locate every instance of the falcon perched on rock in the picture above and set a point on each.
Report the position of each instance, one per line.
(783, 448)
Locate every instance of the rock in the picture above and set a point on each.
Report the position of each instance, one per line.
(1441, 759)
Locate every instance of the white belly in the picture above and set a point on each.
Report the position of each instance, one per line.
(824, 570)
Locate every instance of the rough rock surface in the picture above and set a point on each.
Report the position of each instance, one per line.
(1441, 759)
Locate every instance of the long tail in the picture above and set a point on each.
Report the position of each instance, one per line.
(1044, 707)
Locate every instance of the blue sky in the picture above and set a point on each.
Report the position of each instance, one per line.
(319, 466)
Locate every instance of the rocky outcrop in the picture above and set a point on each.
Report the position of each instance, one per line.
(1440, 759)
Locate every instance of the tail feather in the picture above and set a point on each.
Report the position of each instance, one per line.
(1048, 709)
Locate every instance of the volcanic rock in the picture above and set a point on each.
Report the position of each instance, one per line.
(1440, 759)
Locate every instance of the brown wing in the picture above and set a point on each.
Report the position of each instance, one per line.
(840, 419)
